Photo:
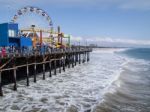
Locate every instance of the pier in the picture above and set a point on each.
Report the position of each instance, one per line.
(32, 51)
(15, 67)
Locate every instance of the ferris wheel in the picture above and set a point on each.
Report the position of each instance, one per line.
(54, 38)
(35, 10)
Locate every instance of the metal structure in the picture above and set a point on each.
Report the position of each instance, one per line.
(36, 10)
(55, 38)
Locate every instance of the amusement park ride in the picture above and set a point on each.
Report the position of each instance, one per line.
(55, 39)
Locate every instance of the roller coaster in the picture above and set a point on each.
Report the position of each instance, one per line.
(55, 39)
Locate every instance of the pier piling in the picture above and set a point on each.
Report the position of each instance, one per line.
(79, 58)
(34, 73)
(34, 70)
(72, 60)
(88, 57)
(83, 61)
(15, 82)
(50, 73)
(60, 65)
(68, 61)
(27, 74)
(14, 74)
(75, 59)
(63, 61)
(54, 67)
(1, 91)
(43, 71)
(37, 63)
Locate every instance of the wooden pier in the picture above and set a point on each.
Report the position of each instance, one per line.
(16, 67)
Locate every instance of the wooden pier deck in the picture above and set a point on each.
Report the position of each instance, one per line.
(16, 67)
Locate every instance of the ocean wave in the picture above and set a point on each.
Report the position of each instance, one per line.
(130, 91)
(109, 50)
(110, 82)
(77, 89)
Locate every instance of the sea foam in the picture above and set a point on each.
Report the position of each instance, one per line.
(77, 89)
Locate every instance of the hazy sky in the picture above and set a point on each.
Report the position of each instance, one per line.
(98, 20)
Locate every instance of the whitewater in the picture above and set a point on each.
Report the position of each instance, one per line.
(80, 89)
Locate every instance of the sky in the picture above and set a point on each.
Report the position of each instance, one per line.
(103, 22)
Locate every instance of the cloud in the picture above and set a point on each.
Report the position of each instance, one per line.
(100, 4)
(124, 41)
(117, 42)
(76, 39)
(135, 4)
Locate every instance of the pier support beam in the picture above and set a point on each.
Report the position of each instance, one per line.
(60, 66)
(14, 74)
(88, 56)
(43, 67)
(15, 81)
(1, 91)
(79, 58)
(27, 74)
(34, 72)
(63, 62)
(50, 67)
(75, 59)
(72, 60)
(68, 58)
(83, 60)
(54, 67)
(43, 71)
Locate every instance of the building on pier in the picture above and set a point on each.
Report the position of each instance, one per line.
(9, 36)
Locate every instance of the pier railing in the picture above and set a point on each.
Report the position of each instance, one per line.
(30, 52)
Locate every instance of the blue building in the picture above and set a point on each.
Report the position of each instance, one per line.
(9, 36)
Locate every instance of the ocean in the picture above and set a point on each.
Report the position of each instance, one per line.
(115, 80)
(131, 91)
